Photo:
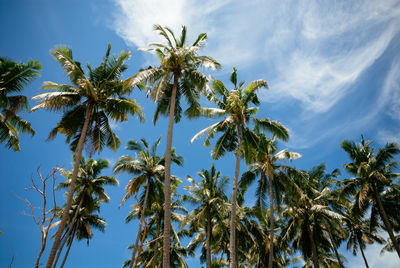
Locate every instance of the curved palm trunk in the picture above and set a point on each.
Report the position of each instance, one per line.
(388, 226)
(68, 232)
(335, 249)
(232, 235)
(167, 182)
(69, 247)
(140, 225)
(71, 190)
(313, 247)
(362, 252)
(271, 235)
(208, 248)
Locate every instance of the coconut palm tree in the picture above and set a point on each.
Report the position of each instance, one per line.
(209, 197)
(373, 175)
(150, 170)
(264, 163)
(178, 75)
(88, 104)
(307, 214)
(360, 234)
(89, 191)
(13, 78)
(152, 255)
(234, 105)
(84, 221)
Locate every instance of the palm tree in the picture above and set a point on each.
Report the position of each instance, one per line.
(264, 164)
(209, 197)
(13, 78)
(374, 173)
(359, 234)
(84, 221)
(177, 76)
(307, 214)
(89, 190)
(234, 105)
(150, 169)
(154, 232)
(87, 104)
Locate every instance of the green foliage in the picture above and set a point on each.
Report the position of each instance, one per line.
(14, 77)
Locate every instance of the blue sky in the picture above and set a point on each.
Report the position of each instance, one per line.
(333, 69)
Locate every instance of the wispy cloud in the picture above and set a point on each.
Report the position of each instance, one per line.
(315, 51)
(311, 52)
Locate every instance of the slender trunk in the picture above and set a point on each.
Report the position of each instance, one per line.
(271, 234)
(41, 251)
(140, 225)
(69, 247)
(68, 232)
(167, 182)
(208, 248)
(71, 190)
(386, 221)
(232, 236)
(362, 252)
(335, 249)
(157, 246)
(313, 247)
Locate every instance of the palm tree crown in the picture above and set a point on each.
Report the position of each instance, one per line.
(13, 78)
(87, 104)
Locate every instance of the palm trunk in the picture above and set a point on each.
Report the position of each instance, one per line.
(271, 235)
(313, 247)
(167, 182)
(69, 247)
(362, 252)
(386, 221)
(232, 235)
(157, 246)
(140, 225)
(335, 249)
(208, 248)
(71, 190)
(69, 232)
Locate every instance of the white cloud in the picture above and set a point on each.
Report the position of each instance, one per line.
(315, 51)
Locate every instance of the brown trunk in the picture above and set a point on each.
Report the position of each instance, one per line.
(69, 232)
(271, 235)
(232, 236)
(167, 182)
(388, 226)
(71, 190)
(208, 248)
(40, 253)
(362, 252)
(157, 246)
(313, 248)
(69, 247)
(140, 224)
(335, 249)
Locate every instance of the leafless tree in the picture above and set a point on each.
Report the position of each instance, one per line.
(42, 217)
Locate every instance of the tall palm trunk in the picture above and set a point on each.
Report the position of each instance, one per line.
(167, 182)
(208, 248)
(140, 225)
(362, 251)
(335, 248)
(71, 190)
(313, 247)
(271, 211)
(232, 235)
(69, 247)
(157, 248)
(386, 221)
(68, 232)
